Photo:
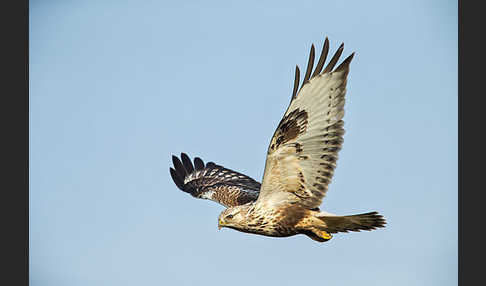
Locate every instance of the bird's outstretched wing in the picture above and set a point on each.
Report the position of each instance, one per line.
(213, 182)
(302, 154)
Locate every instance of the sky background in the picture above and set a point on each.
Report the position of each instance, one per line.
(117, 87)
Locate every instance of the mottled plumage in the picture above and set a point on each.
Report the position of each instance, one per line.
(300, 164)
(213, 182)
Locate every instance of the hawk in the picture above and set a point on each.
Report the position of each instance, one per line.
(300, 163)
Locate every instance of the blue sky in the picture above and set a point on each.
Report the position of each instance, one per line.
(117, 87)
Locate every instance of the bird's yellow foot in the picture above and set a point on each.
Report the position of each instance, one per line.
(325, 235)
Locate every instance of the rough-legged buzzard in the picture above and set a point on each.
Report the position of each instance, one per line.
(300, 163)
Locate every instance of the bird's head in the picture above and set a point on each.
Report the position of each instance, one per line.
(233, 217)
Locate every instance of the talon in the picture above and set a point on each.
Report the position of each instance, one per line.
(325, 235)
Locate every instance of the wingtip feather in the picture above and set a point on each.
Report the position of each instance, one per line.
(296, 81)
(198, 163)
(322, 58)
(345, 64)
(310, 64)
(187, 163)
(179, 167)
(334, 59)
(175, 177)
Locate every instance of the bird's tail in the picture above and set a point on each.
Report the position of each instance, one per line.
(365, 221)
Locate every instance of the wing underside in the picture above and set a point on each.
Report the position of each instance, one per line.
(304, 149)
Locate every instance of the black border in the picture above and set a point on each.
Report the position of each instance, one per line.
(471, 112)
(15, 138)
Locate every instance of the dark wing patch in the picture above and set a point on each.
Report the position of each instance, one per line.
(213, 182)
(291, 125)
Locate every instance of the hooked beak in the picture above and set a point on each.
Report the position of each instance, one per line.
(220, 224)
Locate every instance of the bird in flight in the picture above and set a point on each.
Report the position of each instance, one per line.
(300, 163)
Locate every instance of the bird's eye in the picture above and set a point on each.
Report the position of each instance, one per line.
(229, 216)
